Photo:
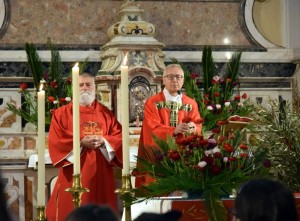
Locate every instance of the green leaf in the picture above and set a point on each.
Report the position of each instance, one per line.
(35, 64)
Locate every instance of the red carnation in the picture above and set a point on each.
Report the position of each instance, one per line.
(134, 172)
(51, 99)
(243, 146)
(228, 148)
(69, 81)
(237, 97)
(244, 155)
(215, 170)
(62, 100)
(232, 158)
(217, 94)
(23, 86)
(174, 155)
(244, 96)
(218, 155)
(53, 84)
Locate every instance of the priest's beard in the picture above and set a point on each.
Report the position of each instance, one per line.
(86, 98)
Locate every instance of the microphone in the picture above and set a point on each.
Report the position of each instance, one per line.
(179, 92)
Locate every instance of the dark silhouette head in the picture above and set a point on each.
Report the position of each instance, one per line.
(173, 215)
(265, 200)
(92, 212)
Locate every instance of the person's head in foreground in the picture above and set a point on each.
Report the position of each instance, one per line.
(92, 212)
(173, 215)
(265, 200)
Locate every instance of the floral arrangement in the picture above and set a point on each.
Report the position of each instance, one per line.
(217, 95)
(58, 90)
(212, 167)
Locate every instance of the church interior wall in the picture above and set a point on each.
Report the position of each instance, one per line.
(78, 28)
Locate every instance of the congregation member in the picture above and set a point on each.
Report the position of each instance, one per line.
(265, 200)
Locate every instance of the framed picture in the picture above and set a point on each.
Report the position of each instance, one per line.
(4, 16)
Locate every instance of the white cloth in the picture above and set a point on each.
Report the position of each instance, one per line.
(169, 97)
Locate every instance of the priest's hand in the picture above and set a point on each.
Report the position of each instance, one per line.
(192, 127)
(92, 141)
(181, 128)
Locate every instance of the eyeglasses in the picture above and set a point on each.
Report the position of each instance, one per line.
(86, 84)
(172, 77)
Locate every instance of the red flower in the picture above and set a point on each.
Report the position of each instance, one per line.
(243, 146)
(186, 120)
(199, 121)
(134, 172)
(174, 155)
(51, 99)
(228, 148)
(23, 86)
(194, 75)
(215, 170)
(218, 155)
(62, 100)
(244, 96)
(216, 130)
(244, 155)
(221, 122)
(217, 94)
(237, 97)
(222, 138)
(69, 81)
(208, 159)
(53, 84)
(232, 158)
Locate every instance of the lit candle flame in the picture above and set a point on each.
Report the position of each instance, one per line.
(76, 65)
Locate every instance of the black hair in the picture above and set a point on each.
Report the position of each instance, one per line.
(265, 200)
(172, 215)
(92, 212)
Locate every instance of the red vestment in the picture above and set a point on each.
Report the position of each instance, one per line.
(96, 172)
(157, 122)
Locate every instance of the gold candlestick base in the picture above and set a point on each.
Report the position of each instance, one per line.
(127, 195)
(40, 213)
(77, 190)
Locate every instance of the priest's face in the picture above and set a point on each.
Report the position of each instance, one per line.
(87, 90)
(173, 79)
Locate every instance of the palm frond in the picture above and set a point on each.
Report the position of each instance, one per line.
(35, 64)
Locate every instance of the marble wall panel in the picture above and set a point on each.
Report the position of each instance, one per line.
(9, 122)
(81, 22)
(14, 192)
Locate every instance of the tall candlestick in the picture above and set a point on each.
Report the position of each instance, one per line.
(125, 117)
(76, 125)
(41, 148)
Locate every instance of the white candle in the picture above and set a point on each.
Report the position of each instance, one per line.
(76, 125)
(125, 117)
(41, 148)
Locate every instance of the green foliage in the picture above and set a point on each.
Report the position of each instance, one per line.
(217, 96)
(281, 137)
(212, 167)
(58, 90)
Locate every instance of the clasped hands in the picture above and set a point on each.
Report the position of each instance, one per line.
(92, 141)
(182, 128)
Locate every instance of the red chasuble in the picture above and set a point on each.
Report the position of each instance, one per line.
(159, 121)
(96, 171)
